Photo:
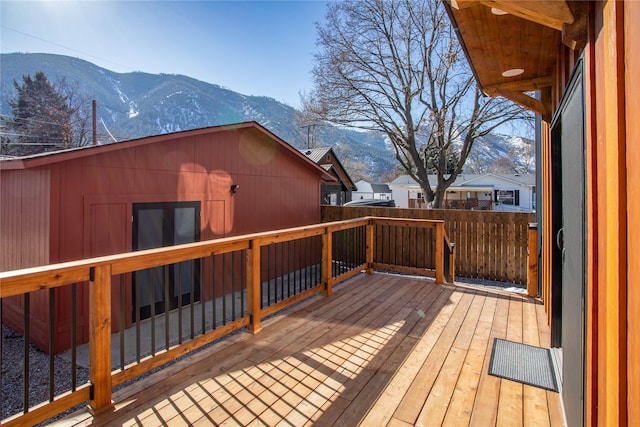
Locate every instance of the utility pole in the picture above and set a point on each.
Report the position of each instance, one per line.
(309, 143)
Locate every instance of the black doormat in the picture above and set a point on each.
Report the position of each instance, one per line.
(523, 363)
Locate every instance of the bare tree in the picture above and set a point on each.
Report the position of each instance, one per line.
(396, 67)
(307, 119)
(80, 108)
(357, 169)
(520, 159)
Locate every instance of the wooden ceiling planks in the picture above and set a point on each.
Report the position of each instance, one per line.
(498, 43)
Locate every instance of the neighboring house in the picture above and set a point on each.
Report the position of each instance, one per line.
(156, 191)
(367, 190)
(337, 192)
(581, 58)
(502, 192)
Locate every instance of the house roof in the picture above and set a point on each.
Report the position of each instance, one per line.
(75, 153)
(372, 187)
(501, 35)
(319, 156)
(470, 180)
(380, 188)
(527, 179)
(316, 154)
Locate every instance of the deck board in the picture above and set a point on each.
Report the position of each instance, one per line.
(382, 350)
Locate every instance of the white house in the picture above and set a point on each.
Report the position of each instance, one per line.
(502, 192)
(368, 190)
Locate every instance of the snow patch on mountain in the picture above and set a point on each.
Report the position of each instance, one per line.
(133, 110)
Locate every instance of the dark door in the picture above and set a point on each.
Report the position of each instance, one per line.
(569, 272)
(156, 225)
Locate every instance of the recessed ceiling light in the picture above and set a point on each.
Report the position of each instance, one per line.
(498, 12)
(513, 72)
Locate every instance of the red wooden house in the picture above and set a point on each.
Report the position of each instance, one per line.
(156, 191)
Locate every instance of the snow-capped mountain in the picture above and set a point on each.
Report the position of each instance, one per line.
(137, 104)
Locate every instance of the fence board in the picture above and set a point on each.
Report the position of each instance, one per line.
(489, 244)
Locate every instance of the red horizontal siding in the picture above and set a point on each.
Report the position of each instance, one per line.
(81, 206)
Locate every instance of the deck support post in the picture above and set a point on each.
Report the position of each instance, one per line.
(253, 286)
(100, 339)
(440, 252)
(327, 251)
(370, 246)
(532, 275)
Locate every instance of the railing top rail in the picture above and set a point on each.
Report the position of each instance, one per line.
(17, 282)
(34, 279)
(344, 225)
(410, 222)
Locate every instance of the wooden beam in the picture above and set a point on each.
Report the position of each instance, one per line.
(574, 35)
(550, 13)
(632, 111)
(612, 211)
(527, 102)
(525, 85)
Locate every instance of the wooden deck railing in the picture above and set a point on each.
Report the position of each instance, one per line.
(490, 245)
(239, 281)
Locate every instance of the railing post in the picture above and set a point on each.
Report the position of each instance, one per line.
(100, 339)
(440, 252)
(532, 276)
(370, 246)
(327, 251)
(452, 263)
(253, 286)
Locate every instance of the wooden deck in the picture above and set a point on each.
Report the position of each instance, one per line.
(383, 350)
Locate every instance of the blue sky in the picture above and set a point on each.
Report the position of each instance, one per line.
(252, 47)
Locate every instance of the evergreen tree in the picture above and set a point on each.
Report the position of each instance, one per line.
(41, 118)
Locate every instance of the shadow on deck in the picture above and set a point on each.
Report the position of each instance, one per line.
(384, 349)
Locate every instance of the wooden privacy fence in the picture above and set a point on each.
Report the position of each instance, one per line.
(489, 244)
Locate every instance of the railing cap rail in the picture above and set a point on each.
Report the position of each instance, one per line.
(50, 276)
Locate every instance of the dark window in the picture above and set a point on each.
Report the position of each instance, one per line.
(508, 197)
(157, 225)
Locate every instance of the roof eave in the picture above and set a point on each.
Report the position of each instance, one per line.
(454, 24)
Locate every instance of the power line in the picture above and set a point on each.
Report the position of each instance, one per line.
(108, 134)
(66, 47)
(27, 121)
(17, 120)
